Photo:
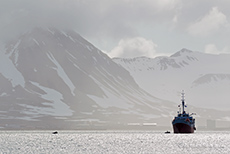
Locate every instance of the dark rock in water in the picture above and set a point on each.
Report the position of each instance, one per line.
(167, 132)
(55, 132)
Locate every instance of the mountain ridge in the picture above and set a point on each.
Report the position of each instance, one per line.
(181, 70)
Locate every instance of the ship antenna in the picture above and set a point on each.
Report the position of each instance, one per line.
(182, 100)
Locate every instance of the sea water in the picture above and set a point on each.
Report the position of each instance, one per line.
(113, 142)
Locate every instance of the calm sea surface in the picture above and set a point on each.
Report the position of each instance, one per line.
(113, 142)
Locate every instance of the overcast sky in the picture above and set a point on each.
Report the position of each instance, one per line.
(127, 28)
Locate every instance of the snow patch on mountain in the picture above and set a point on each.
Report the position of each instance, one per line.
(8, 69)
(36, 41)
(62, 73)
(54, 102)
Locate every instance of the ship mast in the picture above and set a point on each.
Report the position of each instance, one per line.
(183, 101)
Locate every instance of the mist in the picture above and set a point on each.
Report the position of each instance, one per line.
(106, 23)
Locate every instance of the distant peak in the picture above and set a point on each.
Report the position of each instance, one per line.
(182, 51)
(185, 50)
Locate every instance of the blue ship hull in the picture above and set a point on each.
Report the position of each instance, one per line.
(183, 127)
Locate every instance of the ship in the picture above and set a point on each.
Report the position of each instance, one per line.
(183, 122)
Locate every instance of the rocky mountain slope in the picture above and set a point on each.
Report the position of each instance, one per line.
(56, 79)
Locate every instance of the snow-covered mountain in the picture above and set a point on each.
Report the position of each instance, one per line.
(204, 77)
(53, 79)
(56, 79)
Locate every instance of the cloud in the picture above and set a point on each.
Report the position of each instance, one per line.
(134, 47)
(19, 16)
(212, 49)
(104, 23)
(209, 24)
(167, 4)
(102, 17)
